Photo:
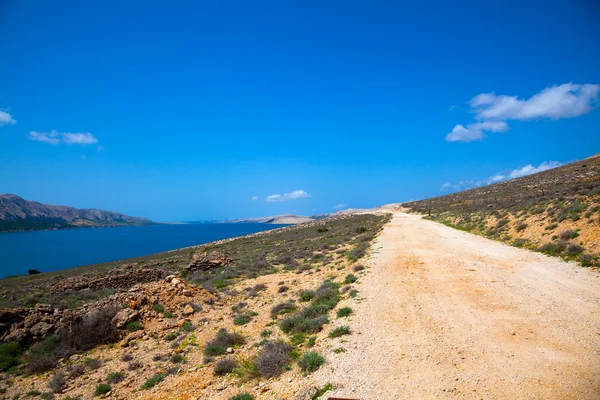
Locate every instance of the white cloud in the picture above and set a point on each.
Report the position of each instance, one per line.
(296, 194)
(340, 206)
(254, 197)
(568, 100)
(6, 119)
(503, 176)
(55, 137)
(565, 101)
(475, 131)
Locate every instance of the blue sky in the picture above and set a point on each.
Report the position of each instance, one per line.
(189, 110)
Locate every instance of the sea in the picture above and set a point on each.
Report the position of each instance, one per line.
(61, 249)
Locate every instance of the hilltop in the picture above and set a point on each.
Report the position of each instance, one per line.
(556, 212)
(18, 214)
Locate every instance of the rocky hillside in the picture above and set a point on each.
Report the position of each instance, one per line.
(18, 214)
(244, 318)
(556, 211)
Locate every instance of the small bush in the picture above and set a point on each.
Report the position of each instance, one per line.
(568, 234)
(33, 271)
(305, 295)
(224, 366)
(266, 333)
(273, 359)
(242, 319)
(58, 382)
(247, 370)
(339, 331)
(344, 312)
(311, 361)
(218, 346)
(586, 260)
(47, 396)
(115, 377)
(75, 370)
(177, 358)
(283, 289)
(353, 293)
(551, 227)
(153, 381)
(187, 326)
(92, 363)
(159, 308)
(126, 357)
(311, 341)
(9, 355)
(169, 337)
(350, 278)
(521, 226)
(282, 308)
(33, 393)
(135, 365)
(101, 389)
(134, 326)
(44, 355)
(573, 250)
(242, 396)
(358, 268)
(298, 338)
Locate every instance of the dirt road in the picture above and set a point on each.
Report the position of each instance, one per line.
(450, 315)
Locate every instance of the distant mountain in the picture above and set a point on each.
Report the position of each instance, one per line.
(18, 214)
(288, 219)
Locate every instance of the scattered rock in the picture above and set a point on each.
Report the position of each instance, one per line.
(188, 310)
(208, 261)
(306, 394)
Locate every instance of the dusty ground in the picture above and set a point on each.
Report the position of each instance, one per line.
(447, 314)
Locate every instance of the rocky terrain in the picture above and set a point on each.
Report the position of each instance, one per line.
(18, 214)
(253, 315)
(556, 212)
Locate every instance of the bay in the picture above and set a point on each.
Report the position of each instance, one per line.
(55, 250)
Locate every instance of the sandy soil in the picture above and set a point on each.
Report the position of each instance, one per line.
(447, 314)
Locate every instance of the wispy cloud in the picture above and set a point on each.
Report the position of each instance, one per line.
(568, 100)
(55, 137)
(340, 206)
(499, 177)
(6, 119)
(254, 197)
(296, 194)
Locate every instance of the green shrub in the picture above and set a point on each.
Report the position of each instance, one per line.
(242, 319)
(305, 295)
(92, 363)
(350, 278)
(339, 331)
(153, 381)
(159, 308)
(298, 338)
(101, 389)
(115, 377)
(273, 359)
(311, 361)
(218, 346)
(344, 312)
(224, 366)
(9, 355)
(311, 341)
(521, 226)
(134, 326)
(44, 355)
(187, 326)
(567, 235)
(33, 393)
(170, 337)
(242, 396)
(282, 308)
(177, 358)
(266, 333)
(58, 382)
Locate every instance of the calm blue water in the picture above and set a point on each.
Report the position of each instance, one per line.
(53, 250)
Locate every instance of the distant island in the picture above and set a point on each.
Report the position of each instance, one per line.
(18, 214)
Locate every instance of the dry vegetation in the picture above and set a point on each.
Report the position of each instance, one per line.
(556, 212)
(255, 328)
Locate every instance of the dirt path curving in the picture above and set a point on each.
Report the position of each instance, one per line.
(450, 315)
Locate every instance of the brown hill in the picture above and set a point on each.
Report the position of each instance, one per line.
(18, 214)
(555, 211)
